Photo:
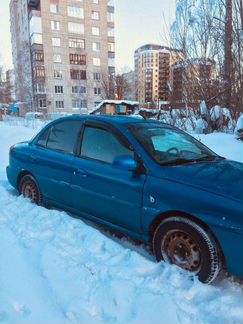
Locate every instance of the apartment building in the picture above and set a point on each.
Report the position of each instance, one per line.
(194, 80)
(63, 51)
(153, 72)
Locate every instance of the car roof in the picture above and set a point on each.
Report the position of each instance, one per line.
(113, 119)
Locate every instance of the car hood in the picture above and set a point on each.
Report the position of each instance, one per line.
(222, 177)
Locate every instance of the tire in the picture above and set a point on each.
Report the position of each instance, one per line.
(183, 242)
(29, 188)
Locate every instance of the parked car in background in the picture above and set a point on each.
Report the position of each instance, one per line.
(145, 179)
(34, 115)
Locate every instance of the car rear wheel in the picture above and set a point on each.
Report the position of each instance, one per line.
(28, 187)
(183, 242)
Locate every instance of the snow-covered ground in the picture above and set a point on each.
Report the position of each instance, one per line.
(55, 268)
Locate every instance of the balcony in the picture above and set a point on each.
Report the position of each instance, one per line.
(33, 3)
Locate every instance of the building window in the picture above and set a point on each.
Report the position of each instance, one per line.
(40, 72)
(111, 32)
(58, 89)
(56, 42)
(79, 104)
(40, 88)
(59, 104)
(97, 76)
(38, 56)
(57, 58)
(77, 59)
(111, 62)
(78, 89)
(54, 8)
(95, 15)
(75, 28)
(97, 91)
(110, 16)
(96, 46)
(76, 43)
(95, 31)
(111, 47)
(75, 12)
(57, 74)
(78, 75)
(42, 103)
(55, 25)
(96, 61)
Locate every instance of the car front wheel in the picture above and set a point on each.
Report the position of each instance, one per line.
(183, 242)
(28, 187)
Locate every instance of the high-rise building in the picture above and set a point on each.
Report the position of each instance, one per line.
(153, 72)
(194, 80)
(63, 50)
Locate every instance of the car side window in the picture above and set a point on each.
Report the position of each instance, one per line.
(43, 138)
(63, 136)
(101, 145)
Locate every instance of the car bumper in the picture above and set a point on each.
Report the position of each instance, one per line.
(232, 246)
(12, 174)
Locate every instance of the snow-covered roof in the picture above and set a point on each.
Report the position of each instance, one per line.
(114, 102)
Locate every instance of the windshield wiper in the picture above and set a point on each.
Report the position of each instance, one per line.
(181, 161)
(178, 162)
(210, 158)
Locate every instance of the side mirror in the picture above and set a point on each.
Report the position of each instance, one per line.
(125, 162)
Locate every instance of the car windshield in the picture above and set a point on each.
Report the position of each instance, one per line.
(169, 146)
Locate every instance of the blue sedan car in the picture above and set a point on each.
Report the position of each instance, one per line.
(145, 179)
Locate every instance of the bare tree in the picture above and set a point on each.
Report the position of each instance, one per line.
(212, 30)
(228, 59)
(107, 85)
(122, 86)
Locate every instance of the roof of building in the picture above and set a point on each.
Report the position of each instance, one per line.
(157, 47)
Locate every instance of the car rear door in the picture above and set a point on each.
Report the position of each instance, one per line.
(52, 158)
(99, 189)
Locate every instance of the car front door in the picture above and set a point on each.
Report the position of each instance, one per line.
(101, 190)
(52, 157)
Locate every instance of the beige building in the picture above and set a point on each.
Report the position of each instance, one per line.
(153, 73)
(63, 50)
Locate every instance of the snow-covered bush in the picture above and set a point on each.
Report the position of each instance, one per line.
(220, 119)
(239, 128)
(203, 108)
(201, 126)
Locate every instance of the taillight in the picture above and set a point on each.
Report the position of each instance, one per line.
(11, 149)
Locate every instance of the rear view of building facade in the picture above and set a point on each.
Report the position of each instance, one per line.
(63, 51)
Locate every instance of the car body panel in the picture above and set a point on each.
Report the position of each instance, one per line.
(113, 195)
(210, 192)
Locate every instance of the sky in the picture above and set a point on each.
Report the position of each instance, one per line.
(138, 22)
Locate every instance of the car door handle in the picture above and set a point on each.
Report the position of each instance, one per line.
(80, 172)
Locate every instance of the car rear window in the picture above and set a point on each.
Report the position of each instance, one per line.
(61, 136)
